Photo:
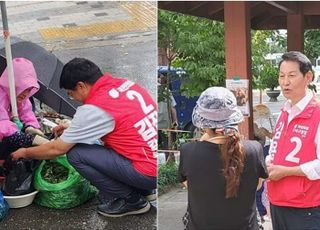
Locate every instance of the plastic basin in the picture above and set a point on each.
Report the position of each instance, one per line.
(20, 201)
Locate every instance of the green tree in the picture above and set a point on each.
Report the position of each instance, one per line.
(198, 45)
(260, 48)
(167, 34)
(265, 42)
(312, 44)
(265, 74)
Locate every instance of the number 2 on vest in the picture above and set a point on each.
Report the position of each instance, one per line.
(131, 94)
(292, 155)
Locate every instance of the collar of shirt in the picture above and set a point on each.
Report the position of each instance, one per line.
(294, 110)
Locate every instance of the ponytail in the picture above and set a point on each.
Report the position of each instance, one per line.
(233, 156)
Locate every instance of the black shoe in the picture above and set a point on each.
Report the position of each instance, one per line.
(121, 207)
(101, 199)
(150, 195)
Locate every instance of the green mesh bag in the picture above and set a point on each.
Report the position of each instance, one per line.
(69, 193)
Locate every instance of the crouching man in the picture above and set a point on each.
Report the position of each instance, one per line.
(123, 115)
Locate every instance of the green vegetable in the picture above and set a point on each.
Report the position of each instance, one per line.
(60, 186)
(54, 172)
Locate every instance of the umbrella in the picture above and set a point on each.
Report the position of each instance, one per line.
(48, 68)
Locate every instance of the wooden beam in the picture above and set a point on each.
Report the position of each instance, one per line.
(288, 8)
(256, 8)
(238, 52)
(311, 8)
(196, 6)
(295, 33)
(179, 7)
(260, 20)
(312, 22)
(213, 10)
(274, 23)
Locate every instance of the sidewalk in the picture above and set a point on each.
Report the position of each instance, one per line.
(173, 205)
(56, 22)
(171, 208)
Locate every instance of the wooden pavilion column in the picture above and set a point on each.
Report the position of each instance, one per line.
(238, 51)
(295, 32)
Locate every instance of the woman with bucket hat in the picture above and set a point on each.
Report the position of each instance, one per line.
(221, 170)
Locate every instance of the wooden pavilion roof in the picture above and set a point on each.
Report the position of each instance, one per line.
(265, 15)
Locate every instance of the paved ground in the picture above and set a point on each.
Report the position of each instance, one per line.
(127, 50)
(81, 217)
(173, 205)
(118, 36)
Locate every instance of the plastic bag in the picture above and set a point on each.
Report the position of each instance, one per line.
(19, 177)
(4, 207)
(73, 191)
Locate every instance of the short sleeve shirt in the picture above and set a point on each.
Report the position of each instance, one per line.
(201, 165)
(88, 125)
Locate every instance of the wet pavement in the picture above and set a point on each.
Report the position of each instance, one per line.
(84, 29)
(82, 217)
(120, 37)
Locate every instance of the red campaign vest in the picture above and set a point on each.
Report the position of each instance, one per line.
(135, 115)
(293, 145)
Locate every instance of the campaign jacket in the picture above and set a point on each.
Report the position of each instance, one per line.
(293, 144)
(135, 116)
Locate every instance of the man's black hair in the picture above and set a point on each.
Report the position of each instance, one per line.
(79, 69)
(304, 63)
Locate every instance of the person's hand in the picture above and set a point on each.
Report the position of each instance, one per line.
(276, 172)
(58, 130)
(20, 153)
(34, 131)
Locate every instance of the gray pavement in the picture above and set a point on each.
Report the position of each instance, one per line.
(82, 217)
(118, 36)
(71, 29)
(171, 208)
(173, 205)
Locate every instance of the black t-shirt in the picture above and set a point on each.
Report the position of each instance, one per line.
(201, 166)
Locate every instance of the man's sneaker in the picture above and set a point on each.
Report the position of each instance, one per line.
(101, 199)
(150, 195)
(121, 207)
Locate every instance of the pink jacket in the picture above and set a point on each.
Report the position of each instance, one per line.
(25, 77)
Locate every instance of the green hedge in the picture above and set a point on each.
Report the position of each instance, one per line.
(167, 177)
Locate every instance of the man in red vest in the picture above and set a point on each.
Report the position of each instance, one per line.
(123, 116)
(293, 161)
